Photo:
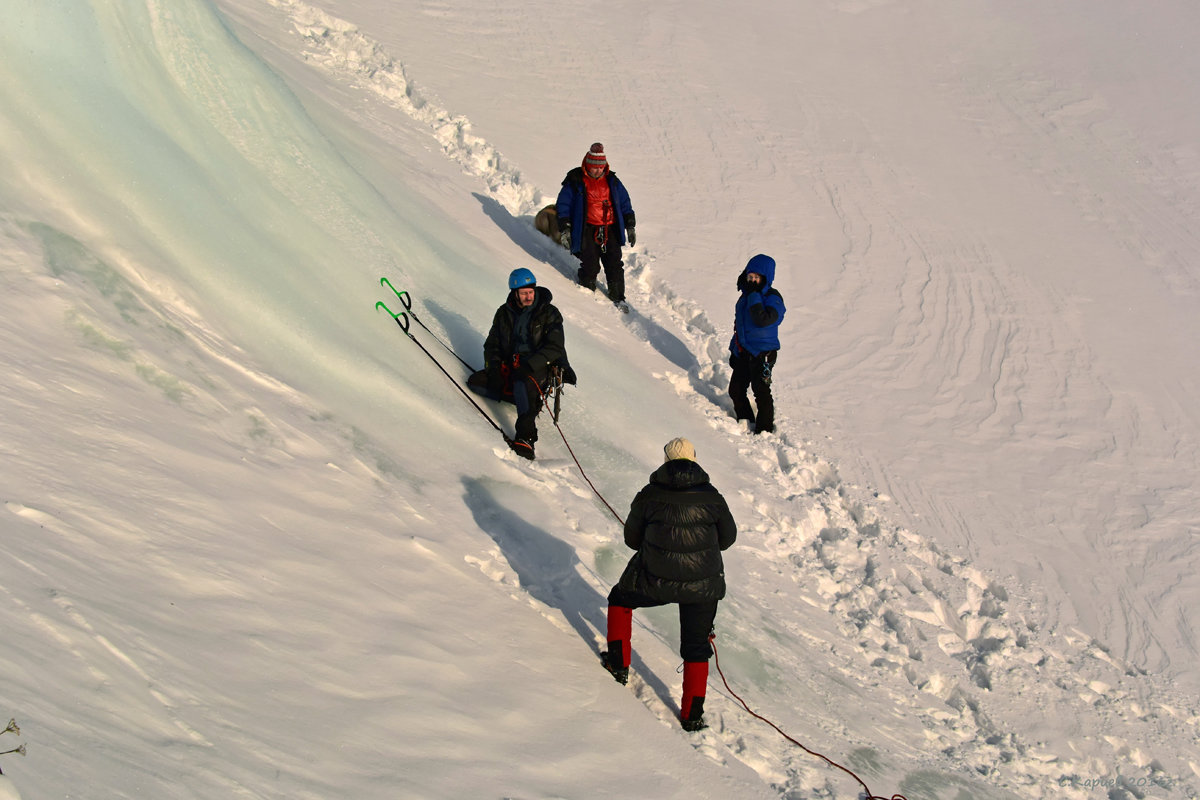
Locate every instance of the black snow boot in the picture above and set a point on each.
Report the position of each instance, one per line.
(522, 447)
(695, 718)
(612, 662)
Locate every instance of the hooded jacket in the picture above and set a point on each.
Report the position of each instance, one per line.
(546, 343)
(757, 315)
(572, 206)
(679, 524)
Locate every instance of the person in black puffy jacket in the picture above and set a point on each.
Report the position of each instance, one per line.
(678, 524)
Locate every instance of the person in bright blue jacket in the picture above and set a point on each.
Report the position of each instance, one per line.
(755, 344)
(595, 219)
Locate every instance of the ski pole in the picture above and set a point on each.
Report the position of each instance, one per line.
(402, 320)
(406, 299)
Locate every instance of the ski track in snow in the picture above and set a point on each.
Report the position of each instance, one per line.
(941, 639)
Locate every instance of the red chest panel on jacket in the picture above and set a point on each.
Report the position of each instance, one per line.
(599, 201)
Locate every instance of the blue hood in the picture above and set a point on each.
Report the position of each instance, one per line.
(762, 265)
(754, 329)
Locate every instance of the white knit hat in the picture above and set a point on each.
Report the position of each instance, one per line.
(679, 448)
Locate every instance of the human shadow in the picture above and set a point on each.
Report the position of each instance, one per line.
(668, 345)
(463, 336)
(545, 565)
(548, 570)
(536, 245)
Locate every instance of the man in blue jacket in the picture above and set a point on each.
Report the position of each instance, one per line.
(755, 343)
(595, 217)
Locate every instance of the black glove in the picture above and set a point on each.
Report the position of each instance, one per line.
(564, 235)
(631, 235)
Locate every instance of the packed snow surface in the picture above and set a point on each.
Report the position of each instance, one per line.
(257, 545)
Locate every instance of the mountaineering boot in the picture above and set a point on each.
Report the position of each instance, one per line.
(622, 306)
(615, 278)
(695, 718)
(620, 631)
(522, 447)
(695, 682)
(611, 659)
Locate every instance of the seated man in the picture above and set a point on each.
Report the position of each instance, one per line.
(525, 341)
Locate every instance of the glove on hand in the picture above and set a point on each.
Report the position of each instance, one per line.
(564, 236)
(631, 235)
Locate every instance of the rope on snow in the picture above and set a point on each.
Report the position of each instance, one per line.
(867, 796)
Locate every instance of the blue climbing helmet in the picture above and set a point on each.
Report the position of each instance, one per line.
(520, 277)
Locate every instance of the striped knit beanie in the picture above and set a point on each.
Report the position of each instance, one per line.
(595, 157)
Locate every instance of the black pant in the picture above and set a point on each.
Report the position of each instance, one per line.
(524, 395)
(592, 257)
(695, 621)
(753, 372)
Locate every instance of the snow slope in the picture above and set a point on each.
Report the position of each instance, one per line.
(257, 545)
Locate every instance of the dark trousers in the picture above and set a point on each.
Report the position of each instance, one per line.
(523, 394)
(695, 621)
(753, 372)
(592, 257)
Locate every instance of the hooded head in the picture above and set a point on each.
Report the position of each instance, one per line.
(679, 448)
(761, 265)
(595, 158)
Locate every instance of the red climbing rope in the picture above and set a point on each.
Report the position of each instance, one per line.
(712, 641)
(586, 479)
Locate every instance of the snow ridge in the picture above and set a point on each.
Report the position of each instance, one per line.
(339, 47)
(959, 654)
